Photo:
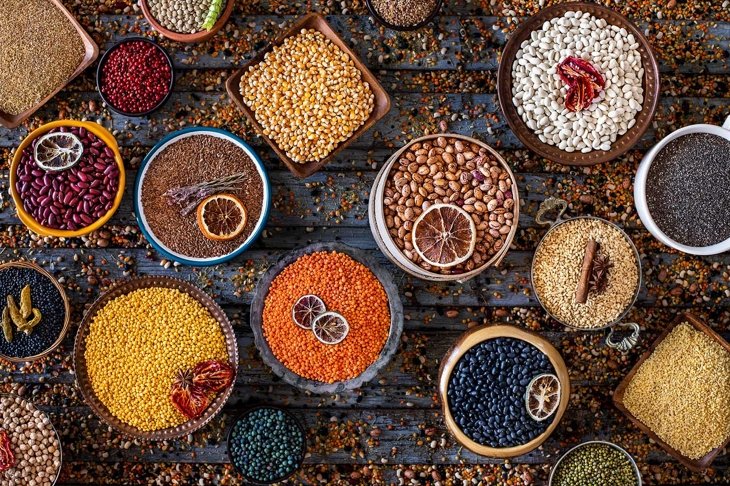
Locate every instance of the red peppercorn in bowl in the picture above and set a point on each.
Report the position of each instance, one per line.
(135, 77)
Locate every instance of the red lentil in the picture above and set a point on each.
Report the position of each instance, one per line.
(345, 286)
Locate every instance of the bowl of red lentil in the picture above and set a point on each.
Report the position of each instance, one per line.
(137, 336)
(347, 281)
(135, 77)
(64, 203)
(199, 162)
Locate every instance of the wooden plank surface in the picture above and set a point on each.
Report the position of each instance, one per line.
(390, 431)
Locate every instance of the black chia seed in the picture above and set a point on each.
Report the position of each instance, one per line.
(46, 298)
(487, 392)
(688, 189)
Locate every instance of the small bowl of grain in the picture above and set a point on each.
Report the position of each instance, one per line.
(404, 15)
(187, 21)
(586, 273)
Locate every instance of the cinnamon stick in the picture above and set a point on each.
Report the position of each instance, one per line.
(581, 293)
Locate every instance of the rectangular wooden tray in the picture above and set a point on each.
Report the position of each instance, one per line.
(318, 23)
(92, 52)
(618, 396)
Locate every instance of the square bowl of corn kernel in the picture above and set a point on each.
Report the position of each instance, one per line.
(308, 95)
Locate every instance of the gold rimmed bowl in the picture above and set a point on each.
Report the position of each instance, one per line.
(476, 336)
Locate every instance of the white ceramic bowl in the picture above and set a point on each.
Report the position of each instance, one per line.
(640, 190)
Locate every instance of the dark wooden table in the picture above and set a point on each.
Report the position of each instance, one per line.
(441, 78)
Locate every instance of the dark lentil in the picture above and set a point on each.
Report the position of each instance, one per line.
(595, 465)
(189, 161)
(487, 392)
(74, 198)
(688, 189)
(46, 298)
(267, 445)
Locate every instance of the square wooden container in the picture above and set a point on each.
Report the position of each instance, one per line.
(318, 23)
(618, 395)
(92, 52)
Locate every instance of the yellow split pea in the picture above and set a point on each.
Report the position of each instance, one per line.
(136, 344)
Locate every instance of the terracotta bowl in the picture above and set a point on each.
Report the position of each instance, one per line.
(475, 336)
(83, 380)
(201, 36)
(527, 136)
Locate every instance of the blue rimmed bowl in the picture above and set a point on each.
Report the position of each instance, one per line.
(139, 210)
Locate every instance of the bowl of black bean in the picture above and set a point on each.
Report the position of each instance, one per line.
(503, 390)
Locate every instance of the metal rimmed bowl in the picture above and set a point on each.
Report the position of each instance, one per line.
(300, 455)
(105, 58)
(651, 84)
(67, 308)
(404, 28)
(83, 381)
(28, 220)
(389, 348)
(379, 229)
(55, 431)
(200, 36)
(561, 206)
(611, 444)
(139, 209)
(478, 335)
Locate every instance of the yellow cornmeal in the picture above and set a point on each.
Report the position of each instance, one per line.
(137, 343)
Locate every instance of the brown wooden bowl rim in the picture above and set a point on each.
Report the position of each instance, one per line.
(624, 143)
(200, 36)
(66, 305)
(83, 381)
(475, 336)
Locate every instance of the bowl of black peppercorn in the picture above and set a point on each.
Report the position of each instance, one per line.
(35, 312)
(483, 381)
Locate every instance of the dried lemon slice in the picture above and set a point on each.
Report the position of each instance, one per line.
(542, 396)
(58, 151)
(306, 310)
(444, 235)
(221, 217)
(330, 328)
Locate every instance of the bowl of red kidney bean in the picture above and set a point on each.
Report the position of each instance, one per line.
(135, 77)
(74, 201)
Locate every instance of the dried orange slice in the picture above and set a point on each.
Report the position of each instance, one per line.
(58, 151)
(221, 217)
(306, 310)
(543, 396)
(444, 235)
(330, 328)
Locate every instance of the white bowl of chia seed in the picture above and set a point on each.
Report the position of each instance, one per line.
(682, 189)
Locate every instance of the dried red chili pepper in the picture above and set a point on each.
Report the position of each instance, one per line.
(214, 376)
(190, 399)
(584, 81)
(7, 458)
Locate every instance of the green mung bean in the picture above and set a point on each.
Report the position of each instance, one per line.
(595, 464)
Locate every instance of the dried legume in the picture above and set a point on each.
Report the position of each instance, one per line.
(404, 13)
(487, 389)
(189, 161)
(266, 445)
(557, 268)
(595, 465)
(136, 77)
(70, 199)
(46, 298)
(682, 391)
(449, 170)
(346, 287)
(39, 51)
(184, 16)
(33, 441)
(136, 344)
(308, 96)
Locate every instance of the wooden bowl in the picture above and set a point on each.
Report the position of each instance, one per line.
(477, 335)
(404, 28)
(704, 462)
(318, 23)
(83, 380)
(201, 36)
(527, 136)
(27, 219)
(91, 53)
(67, 308)
(389, 348)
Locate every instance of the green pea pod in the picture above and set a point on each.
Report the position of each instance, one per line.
(7, 325)
(214, 11)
